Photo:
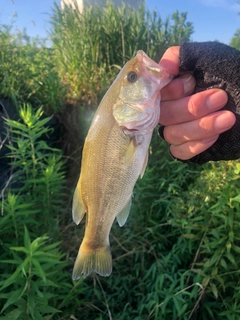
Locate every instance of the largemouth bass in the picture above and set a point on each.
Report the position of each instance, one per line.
(115, 154)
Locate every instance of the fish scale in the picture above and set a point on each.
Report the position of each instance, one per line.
(115, 154)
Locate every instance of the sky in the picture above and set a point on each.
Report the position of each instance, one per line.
(212, 19)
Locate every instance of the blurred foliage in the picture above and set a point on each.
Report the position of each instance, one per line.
(213, 222)
(178, 255)
(235, 41)
(27, 71)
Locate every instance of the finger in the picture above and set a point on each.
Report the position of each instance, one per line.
(178, 88)
(170, 60)
(203, 128)
(190, 149)
(192, 107)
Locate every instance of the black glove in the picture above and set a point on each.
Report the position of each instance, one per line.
(216, 65)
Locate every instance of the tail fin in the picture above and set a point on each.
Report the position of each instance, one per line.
(97, 260)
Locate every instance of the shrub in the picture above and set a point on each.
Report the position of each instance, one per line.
(27, 71)
(33, 280)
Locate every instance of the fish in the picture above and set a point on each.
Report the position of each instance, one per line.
(115, 154)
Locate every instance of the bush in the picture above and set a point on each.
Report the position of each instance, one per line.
(27, 71)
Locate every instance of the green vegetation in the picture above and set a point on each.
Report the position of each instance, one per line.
(235, 42)
(27, 71)
(178, 255)
(91, 48)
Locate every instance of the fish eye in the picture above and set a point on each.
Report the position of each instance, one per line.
(132, 76)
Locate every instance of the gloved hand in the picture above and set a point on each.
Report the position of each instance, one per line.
(215, 65)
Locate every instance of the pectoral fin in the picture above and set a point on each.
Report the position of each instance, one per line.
(78, 209)
(130, 152)
(124, 213)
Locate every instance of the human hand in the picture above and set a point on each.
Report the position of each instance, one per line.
(192, 122)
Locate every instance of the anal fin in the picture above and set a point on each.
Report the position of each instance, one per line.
(78, 209)
(124, 213)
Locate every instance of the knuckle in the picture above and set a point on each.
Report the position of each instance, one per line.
(185, 151)
(171, 134)
(193, 106)
(206, 124)
(179, 152)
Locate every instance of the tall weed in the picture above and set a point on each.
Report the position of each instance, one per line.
(37, 169)
(89, 46)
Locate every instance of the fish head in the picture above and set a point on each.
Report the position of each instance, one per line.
(138, 104)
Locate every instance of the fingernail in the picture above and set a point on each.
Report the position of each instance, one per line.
(217, 100)
(224, 121)
(188, 83)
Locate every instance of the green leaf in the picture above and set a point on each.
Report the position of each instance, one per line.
(199, 271)
(13, 315)
(230, 257)
(20, 249)
(213, 259)
(10, 261)
(190, 236)
(214, 290)
(237, 198)
(31, 304)
(209, 310)
(220, 280)
(16, 275)
(223, 264)
(49, 309)
(38, 242)
(214, 271)
(39, 270)
(205, 281)
(27, 241)
(176, 304)
(236, 248)
(14, 297)
(41, 123)
(16, 124)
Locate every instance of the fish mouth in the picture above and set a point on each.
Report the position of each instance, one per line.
(153, 68)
